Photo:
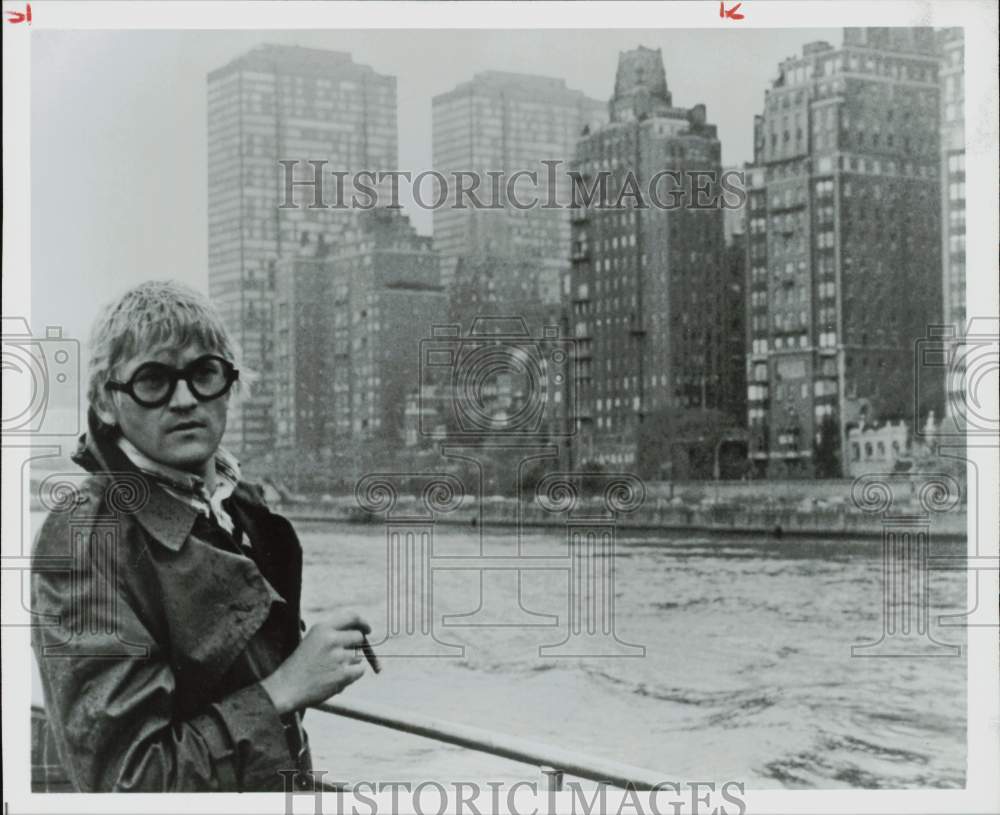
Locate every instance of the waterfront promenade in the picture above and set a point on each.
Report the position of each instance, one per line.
(814, 508)
(733, 513)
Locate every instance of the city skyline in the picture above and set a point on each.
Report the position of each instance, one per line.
(141, 171)
(277, 104)
(866, 116)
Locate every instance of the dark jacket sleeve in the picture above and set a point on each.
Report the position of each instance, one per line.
(110, 691)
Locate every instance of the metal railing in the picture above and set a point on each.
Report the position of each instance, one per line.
(553, 762)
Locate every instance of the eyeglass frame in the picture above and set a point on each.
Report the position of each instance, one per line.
(175, 375)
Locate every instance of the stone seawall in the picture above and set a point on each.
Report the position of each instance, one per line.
(722, 519)
(743, 518)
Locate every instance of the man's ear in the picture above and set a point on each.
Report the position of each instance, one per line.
(105, 409)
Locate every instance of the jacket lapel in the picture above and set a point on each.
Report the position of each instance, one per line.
(213, 600)
(276, 547)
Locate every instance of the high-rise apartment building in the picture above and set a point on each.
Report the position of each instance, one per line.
(349, 320)
(505, 124)
(844, 245)
(277, 103)
(733, 313)
(952, 45)
(951, 42)
(645, 289)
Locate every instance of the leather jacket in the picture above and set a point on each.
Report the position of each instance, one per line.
(153, 628)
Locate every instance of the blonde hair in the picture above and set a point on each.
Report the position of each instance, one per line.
(153, 314)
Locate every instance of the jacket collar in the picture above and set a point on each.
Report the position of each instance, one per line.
(166, 518)
(191, 488)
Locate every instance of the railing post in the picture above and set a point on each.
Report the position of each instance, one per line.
(552, 779)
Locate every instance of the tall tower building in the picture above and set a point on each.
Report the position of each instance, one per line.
(503, 123)
(952, 45)
(645, 293)
(278, 103)
(733, 314)
(951, 42)
(844, 246)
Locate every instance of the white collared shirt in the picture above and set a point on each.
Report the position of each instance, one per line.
(188, 487)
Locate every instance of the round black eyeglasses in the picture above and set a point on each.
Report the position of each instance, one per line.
(153, 383)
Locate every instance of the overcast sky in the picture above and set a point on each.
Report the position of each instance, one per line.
(118, 128)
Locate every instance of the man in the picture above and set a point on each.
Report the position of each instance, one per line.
(171, 649)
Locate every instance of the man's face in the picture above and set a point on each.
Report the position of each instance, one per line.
(184, 433)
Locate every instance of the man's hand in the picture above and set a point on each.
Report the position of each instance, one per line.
(326, 661)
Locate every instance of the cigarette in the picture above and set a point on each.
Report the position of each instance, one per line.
(369, 653)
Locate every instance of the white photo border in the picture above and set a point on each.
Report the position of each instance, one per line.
(979, 20)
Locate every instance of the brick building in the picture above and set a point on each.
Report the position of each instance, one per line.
(645, 291)
(844, 245)
(349, 320)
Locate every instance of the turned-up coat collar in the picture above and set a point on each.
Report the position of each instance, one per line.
(166, 518)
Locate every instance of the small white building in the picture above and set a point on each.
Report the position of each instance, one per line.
(877, 449)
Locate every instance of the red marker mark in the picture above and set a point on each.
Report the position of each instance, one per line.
(730, 13)
(20, 16)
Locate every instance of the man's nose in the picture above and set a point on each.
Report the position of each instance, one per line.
(182, 399)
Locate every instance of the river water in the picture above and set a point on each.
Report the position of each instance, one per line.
(747, 674)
